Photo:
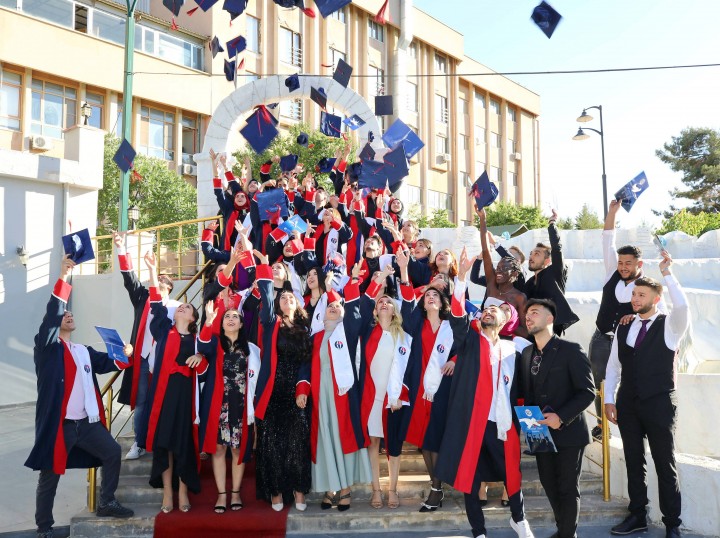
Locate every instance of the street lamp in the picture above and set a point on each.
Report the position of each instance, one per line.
(86, 112)
(133, 215)
(23, 255)
(581, 135)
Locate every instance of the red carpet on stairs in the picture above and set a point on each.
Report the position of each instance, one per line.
(256, 519)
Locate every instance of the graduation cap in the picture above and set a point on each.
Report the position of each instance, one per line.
(288, 163)
(319, 96)
(229, 69)
(325, 165)
(260, 130)
(278, 234)
(292, 83)
(234, 7)
(124, 156)
(303, 139)
(367, 153)
(235, 46)
(354, 122)
(354, 171)
(265, 113)
(399, 132)
(484, 191)
(546, 18)
(330, 124)
(174, 6)
(272, 205)
(383, 105)
(294, 224)
(629, 194)
(373, 175)
(78, 246)
(327, 7)
(397, 167)
(205, 4)
(342, 73)
(216, 47)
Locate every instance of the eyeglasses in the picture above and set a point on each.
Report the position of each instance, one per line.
(535, 364)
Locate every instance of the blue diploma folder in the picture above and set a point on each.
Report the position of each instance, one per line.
(537, 436)
(113, 343)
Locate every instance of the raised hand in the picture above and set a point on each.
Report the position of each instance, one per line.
(357, 270)
(128, 350)
(403, 259)
(210, 313)
(66, 267)
(465, 264)
(553, 217)
(666, 262)
(150, 260)
(119, 239)
(213, 155)
(260, 256)
(214, 225)
(235, 256)
(329, 277)
(614, 206)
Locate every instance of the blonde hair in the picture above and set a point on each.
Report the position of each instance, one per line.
(395, 327)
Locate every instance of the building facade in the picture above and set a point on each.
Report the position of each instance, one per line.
(469, 118)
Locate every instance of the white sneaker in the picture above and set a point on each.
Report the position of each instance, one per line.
(522, 528)
(480, 536)
(135, 452)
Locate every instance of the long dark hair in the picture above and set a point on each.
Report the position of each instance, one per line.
(321, 280)
(444, 303)
(241, 344)
(193, 325)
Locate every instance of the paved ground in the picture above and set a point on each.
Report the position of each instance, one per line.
(541, 532)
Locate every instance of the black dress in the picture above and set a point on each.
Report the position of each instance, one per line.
(233, 402)
(174, 431)
(283, 437)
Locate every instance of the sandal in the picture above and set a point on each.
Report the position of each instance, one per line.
(505, 501)
(238, 505)
(376, 501)
(166, 509)
(427, 507)
(343, 507)
(220, 508)
(393, 503)
(327, 505)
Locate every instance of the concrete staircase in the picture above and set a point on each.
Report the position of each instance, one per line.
(413, 488)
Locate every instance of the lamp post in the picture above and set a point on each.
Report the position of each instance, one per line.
(133, 214)
(85, 112)
(584, 118)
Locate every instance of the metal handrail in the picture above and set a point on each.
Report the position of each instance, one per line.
(605, 442)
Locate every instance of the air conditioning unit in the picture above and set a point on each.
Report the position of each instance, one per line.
(447, 157)
(40, 142)
(189, 170)
(517, 156)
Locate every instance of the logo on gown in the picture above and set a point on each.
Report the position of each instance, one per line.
(251, 373)
(440, 348)
(506, 379)
(338, 344)
(402, 350)
(86, 368)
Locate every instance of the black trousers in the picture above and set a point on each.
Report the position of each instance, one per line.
(94, 439)
(560, 478)
(491, 467)
(599, 354)
(652, 419)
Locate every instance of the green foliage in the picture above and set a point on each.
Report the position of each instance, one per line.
(696, 154)
(565, 224)
(162, 196)
(286, 144)
(587, 219)
(438, 219)
(690, 223)
(504, 213)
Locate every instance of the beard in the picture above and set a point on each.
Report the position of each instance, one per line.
(489, 324)
(632, 277)
(535, 329)
(644, 309)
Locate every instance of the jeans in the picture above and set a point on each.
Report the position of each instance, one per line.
(140, 418)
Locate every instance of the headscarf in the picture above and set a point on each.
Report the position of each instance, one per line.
(512, 323)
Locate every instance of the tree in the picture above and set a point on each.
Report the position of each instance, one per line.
(504, 213)
(566, 224)
(587, 219)
(695, 153)
(690, 223)
(162, 195)
(286, 144)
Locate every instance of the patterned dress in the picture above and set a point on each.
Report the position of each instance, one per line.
(233, 403)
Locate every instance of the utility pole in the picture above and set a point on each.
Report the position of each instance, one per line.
(127, 115)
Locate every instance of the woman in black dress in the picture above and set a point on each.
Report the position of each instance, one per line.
(283, 429)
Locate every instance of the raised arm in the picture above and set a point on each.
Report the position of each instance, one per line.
(459, 319)
(678, 320)
(136, 291)
(411, 315)
(557, 265)
(50, 327)
(264, 280)
(486, 257)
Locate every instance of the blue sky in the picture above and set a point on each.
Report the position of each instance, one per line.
(641, 110)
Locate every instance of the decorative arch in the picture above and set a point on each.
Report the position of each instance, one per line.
(233, 110)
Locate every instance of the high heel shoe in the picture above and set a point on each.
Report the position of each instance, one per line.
(278, 507)
(426, 507)
(327, 505)
(220, 508)
(343, 507)
(236, 506)
(483, 490)
(301, 506)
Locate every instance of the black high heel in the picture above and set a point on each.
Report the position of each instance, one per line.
(430, 507)
(236, 506)
(343, 507)
(219, 508)
(325, 505)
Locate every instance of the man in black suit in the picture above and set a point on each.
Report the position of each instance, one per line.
(556, 376)
(550, 277)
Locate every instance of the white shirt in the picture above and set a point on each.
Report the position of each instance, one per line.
(676, 324)
(76, 403)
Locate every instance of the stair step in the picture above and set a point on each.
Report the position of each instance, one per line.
(141, 525)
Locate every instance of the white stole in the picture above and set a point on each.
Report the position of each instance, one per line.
(253, 368)
(438, 358)
(397, 369)
(295, 281)
(317, 323)
(84, 368)
(332, 244)
(506, 370)
(340, 356)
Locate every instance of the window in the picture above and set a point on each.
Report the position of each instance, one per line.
(412, 50)
(376, 81)
(54, 108)
(413, 193)
(479, 135)
(157, 133)
(190, 138)
(106, 26)
(512, 179)
(439, 200)
(479, 100)
(495, 174)
(97, 103)
(464, 142)
(412, 96)
(81, 18)
(463, 106)
(512, 146)
(495, 106)
(57, 11)
(10, 92)
(290, 47)
(170, 48)
(12, 4)
(340, 15)
(511, 114)
(494, 140)
(291, 109)
(441, 145)
(247, 78)
(376, 31)
(440, 63)
(479, 168)
(252, 28)
(336, 55)
(441, 108)
(464, 180)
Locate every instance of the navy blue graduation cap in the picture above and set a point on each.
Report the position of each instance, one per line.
(263, 111)
(234, 7)
(373, 175)
(206, 4)
(292, 83)
(124, 156)
(303, 140)
(325, 165)
(113, 344)
(319, 96)
(399, 132)
(288, 163)
(396, 166)
(371, 136)
(260, 130)
(327, 7)
(235, 46)
(383, 105)
(330, 124)
(78, 246)
(272, 205)
(342, 72)
(273, 106)
(484, 191)
(294, 224)
(216, 47)
(546, 18)
(354, 170)
(367, 153)
(174, 6)
(632, 191)
(229, 69)
(354, 122)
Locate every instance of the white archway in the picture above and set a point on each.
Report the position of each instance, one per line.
(233, 110)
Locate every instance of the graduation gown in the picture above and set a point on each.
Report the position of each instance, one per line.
(55, 369)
